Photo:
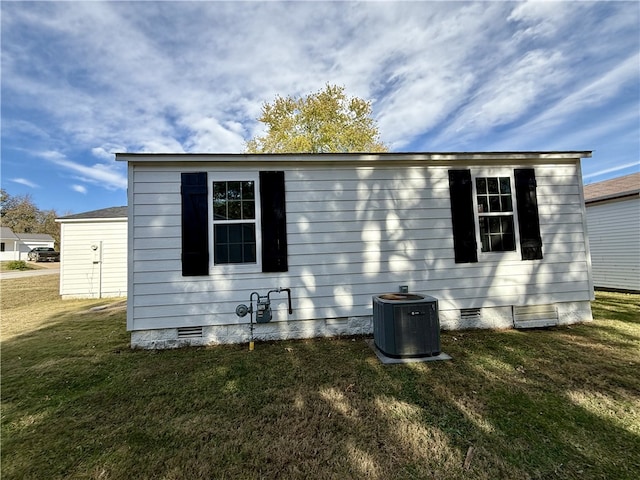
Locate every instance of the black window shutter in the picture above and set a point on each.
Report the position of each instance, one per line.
(274, 222)
(195, 224)
(528, 220)
(462, 216)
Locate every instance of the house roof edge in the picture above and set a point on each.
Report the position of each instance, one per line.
(103, 214)
(354, 157)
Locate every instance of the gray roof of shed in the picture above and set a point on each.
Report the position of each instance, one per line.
(111, 212)
(615, 188)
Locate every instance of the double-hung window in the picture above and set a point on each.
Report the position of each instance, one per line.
(497, 211)
(495, 214)
(234, 222)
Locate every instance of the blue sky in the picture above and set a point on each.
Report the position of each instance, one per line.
(82, 80)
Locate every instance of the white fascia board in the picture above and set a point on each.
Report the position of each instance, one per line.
(358, 158)
(91, 220)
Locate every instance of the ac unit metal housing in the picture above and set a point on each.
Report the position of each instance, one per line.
(406, 325)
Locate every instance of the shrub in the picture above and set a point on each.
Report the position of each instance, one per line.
(18, 265)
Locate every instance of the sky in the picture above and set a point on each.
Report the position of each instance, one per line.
(83, 80)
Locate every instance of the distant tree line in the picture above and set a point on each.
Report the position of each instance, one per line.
(21, 215)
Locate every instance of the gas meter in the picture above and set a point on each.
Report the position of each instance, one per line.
(262, 310)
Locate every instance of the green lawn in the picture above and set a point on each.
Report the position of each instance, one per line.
(78, 403)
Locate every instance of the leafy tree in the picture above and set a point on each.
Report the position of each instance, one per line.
(47, 221)
(324, 122)
(21, 215)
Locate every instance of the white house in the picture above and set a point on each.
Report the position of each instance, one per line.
(613, 220)
(93, 254)
(16, 246)
(9, 244)
(498, 238)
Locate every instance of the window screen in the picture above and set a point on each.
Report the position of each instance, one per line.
(234, 226)
(495, 214)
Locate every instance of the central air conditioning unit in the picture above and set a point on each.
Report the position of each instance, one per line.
(406, 325)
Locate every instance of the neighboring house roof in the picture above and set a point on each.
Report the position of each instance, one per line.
(102, 214)
(35, 237)
(629, 185)
(7, 234)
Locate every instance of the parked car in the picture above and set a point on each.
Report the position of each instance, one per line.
(43, 254)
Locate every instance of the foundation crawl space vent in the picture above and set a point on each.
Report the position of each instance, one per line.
(470, 315)
(535, 316)
(190, 332)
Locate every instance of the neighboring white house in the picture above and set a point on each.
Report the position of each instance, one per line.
(16, 246)
(93, 254)
(9, 244)
(33, 240)
(613, 220)
(497, 238)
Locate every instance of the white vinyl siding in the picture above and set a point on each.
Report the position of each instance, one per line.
(614, 237)
(89, 273)
(352, 232)
(11, 251)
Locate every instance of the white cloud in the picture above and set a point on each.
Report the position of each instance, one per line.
(25, 182)
(18, 128)
(429, 63)
(209, 136)
(105, 175)
(79, 188)
(540, 18)
(192, 76)
(51, 155)
(579, 106)
(593, 93)
(617, 168)
(107, 152)
(508, 95)
(184, 91)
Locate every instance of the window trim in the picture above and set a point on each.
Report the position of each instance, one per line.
(229, 268)
(498, 255)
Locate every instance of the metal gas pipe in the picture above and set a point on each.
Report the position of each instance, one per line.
(263, 309)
